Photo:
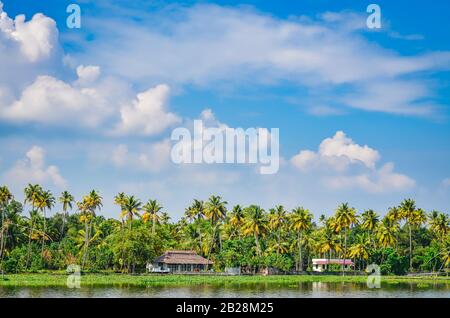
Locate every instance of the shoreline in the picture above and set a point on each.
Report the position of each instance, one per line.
(144, 280)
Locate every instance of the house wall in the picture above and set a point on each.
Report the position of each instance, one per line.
(323, 267)
(176, 268)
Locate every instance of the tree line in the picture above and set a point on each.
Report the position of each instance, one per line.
(405, 239)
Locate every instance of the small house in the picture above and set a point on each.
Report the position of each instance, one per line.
(180, 261)
(323, 264)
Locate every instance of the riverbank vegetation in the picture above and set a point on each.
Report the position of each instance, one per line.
(143, 280)
(405, 239)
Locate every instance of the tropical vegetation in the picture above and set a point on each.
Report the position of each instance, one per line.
(49, 232)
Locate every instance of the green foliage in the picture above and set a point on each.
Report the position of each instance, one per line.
(283, 263)
(391, 262)
(251, 237)
(132, 249)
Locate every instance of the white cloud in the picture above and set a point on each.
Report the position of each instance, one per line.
(341, 163)
(87, 74)
(36, 38)
(147, 114)
(52, 101)
(240, 45)
(33, 169)
(374, 181)
(151, 157)
(392, 96)
(338, 152)
(32, 88)
(27, 49)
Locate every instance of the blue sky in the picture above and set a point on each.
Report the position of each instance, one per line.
(363, 114)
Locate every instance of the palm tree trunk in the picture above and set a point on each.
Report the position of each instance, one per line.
(297, 261)
(1, 239)
(345, 252)
(153, 225)
(29, 244)
(86, 243)
(279, 241)
(410, 248)
(200, 239)
(300, 258)
(63, 224)
(212, 243)
(258, 248)
(43, 235)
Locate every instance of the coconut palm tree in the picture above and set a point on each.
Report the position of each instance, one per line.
(236, 219)
(215, 211)
(164, 218)
(5, 198)
(130, 207)
(360, 249)
(300, 221)
(394, 214)
(66, 199)
(87, 208)
(386, 233)
(413, 217)
(445, 253)
(327, 242)
(45, 200)
(195, 211)
(439, 224)
(369, 221)
(119, 199)
(13, 225)
(31, 193)
(151, 210)
(345, 218)
(277, 219)
(255, 224)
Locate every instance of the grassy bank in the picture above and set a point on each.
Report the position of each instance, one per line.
(60, 279)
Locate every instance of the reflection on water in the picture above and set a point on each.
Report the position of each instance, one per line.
(296, 290)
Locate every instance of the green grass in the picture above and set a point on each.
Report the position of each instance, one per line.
(99, 280)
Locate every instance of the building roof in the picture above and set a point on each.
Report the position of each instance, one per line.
(324, 261)
(182, 257)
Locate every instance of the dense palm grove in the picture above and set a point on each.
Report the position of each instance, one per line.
(406, 239)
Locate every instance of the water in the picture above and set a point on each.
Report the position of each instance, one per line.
(299, 290)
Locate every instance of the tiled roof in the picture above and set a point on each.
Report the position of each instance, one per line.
(332, 261)
(182, 257)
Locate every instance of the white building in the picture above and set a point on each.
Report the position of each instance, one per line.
(322, 264)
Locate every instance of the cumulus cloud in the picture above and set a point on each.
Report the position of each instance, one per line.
(147, 114)
(87, 74)
(27, 49)
(36, 38)
(342, 163)
(33, 169)
(338, 152)
(375, 181)
(30, 86)
(52, 101)
(33, 89)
